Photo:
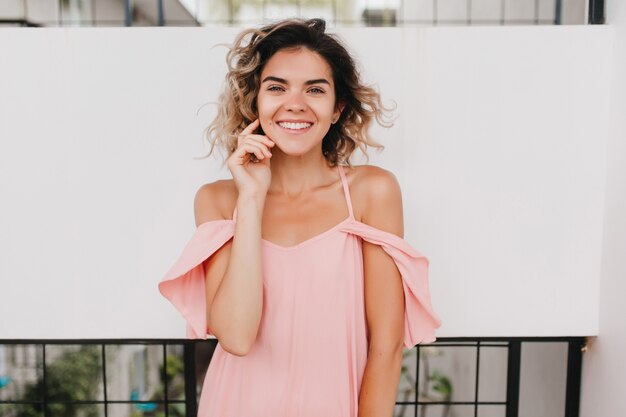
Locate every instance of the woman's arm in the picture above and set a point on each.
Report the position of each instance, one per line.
(234, 274)
(384, 298)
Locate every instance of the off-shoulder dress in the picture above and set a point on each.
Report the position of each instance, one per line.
(311, 348)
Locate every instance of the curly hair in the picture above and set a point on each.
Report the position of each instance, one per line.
(251, 50)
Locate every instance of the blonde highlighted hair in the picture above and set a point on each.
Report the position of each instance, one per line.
(252, 48)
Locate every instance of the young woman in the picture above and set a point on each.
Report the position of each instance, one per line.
(298, 265)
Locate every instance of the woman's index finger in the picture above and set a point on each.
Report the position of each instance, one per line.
(250, 128)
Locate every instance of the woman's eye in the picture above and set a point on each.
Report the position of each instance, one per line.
(274, 88)
(317, 90)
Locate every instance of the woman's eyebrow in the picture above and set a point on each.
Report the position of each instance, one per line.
(283, 81)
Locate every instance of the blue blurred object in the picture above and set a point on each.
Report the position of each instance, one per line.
(4, 381)
(145, 407)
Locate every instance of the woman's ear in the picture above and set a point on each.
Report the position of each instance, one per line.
(339, 108)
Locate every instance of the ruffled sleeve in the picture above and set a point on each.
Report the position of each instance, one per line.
(420, 320)
(184, 284)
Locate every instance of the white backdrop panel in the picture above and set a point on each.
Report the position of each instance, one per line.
(499, 148)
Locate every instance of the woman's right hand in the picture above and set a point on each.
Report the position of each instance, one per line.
(252, 174)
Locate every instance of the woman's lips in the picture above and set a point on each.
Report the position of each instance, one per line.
(295, 131)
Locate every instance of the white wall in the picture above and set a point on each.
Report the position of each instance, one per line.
(500, 148)
(603, 364)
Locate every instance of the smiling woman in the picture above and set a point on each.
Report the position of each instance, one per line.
(298, 265)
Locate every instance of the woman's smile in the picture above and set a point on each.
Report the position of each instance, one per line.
(296, 128)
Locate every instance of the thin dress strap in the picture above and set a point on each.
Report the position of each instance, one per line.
(346, 190)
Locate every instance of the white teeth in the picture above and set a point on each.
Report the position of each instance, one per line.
(295, 126)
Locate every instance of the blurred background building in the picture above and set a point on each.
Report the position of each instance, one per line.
(336, 12)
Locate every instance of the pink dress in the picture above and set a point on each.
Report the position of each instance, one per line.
(311, 348)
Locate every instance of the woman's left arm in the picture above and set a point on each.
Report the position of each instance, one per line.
(384, 299)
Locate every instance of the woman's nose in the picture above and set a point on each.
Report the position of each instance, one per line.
(295, 102)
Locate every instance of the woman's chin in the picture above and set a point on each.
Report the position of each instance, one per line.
(291, 149)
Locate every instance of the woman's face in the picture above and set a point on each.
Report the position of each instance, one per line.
(296, 100)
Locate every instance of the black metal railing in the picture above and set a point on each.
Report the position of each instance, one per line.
(54, 365)
(82, 364)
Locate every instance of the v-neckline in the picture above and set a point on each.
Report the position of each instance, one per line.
(269, 243)
(309, 240)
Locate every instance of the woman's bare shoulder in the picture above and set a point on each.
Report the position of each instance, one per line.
(371, 181)
(215, 201)
(368, 172)
(377, 197)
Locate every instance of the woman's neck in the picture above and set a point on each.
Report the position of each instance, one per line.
(295, 175)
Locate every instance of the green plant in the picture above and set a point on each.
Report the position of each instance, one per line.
(74, 376)
(175, 389)
(436, 386)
